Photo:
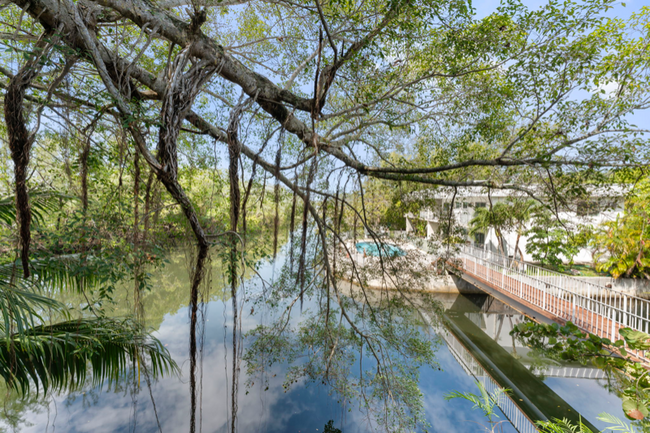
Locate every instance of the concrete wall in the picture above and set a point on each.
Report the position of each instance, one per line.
(631, 285)
(436, 284)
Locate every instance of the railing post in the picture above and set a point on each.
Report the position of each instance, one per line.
(573, 309)
(503, 276)
(613, 319)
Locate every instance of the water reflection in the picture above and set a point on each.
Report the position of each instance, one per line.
(284, 388)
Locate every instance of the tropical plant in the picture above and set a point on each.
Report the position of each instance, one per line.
(565, 426)
(486, 402)
(34, 352)
(497, 217)
(41, 202)
(62, 356)
(549, 242)
(624, 244)
(521, 213)
(58, 356)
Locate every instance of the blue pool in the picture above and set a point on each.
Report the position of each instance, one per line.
(372, 249)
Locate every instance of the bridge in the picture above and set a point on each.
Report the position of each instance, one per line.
(475, 333)
(476, 330)
(593, 308)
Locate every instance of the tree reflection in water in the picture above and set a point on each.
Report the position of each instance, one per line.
(367, 346)
(366, 351)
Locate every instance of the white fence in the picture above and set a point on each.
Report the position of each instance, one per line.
(508, 407)
(593, 308)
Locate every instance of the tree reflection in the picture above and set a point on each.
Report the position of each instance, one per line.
(367, 346)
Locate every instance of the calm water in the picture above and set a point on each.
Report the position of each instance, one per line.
(264, 405)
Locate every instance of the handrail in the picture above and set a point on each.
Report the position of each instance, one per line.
(501, 259)
(594, 308)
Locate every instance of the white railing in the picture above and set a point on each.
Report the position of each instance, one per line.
(573, 372)
(428, 215)
(591, 307)
(508, 407)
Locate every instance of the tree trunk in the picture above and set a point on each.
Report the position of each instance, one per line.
(147, 204)
(20, 144)
(83, 159)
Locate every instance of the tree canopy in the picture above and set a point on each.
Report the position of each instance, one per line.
(319, 96)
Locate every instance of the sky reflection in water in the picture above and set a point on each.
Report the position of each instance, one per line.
(305, 407)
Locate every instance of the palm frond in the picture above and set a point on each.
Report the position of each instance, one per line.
(486, 401)
(62, 356)
(69, 272)
(562, 426)
(41, 204)
(617, 423)
(20, 307)
(471, 397)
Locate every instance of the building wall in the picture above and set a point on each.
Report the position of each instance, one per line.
(464, 209)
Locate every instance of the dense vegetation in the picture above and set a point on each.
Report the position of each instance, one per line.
(130, 126)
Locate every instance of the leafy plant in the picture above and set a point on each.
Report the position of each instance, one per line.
(41, 204)
(497, 217)
(571, 344)
(549, 243)
(565, 426)
(34, 352)
(485, 401)
(61, 356)
(624, 244)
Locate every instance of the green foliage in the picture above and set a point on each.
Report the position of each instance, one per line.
(486, 402)
(41, 203)
(565, 426)
(549, 243)
(497, 217)
(60, 356)
(503, 216)
(562, 426)
(570, 344)
(37, 350)
(624, 244)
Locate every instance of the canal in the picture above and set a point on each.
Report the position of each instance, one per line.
(280, 387)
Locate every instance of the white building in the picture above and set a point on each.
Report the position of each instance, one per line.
(604, 205)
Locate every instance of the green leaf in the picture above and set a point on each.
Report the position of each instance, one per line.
(634, 409)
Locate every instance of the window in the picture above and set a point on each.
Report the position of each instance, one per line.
(479, 238)
(465, 205)
(481, 204)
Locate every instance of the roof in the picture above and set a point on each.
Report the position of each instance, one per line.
(447, 193)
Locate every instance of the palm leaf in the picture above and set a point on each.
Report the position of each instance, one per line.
(41, 203)
(562, 426)
(617, 424)
(61, 356)
(486, 402)
(71, 272)
(20, 307)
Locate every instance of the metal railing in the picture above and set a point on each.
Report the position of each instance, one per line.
(428, 215)
(596, 309)
(508, 407)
